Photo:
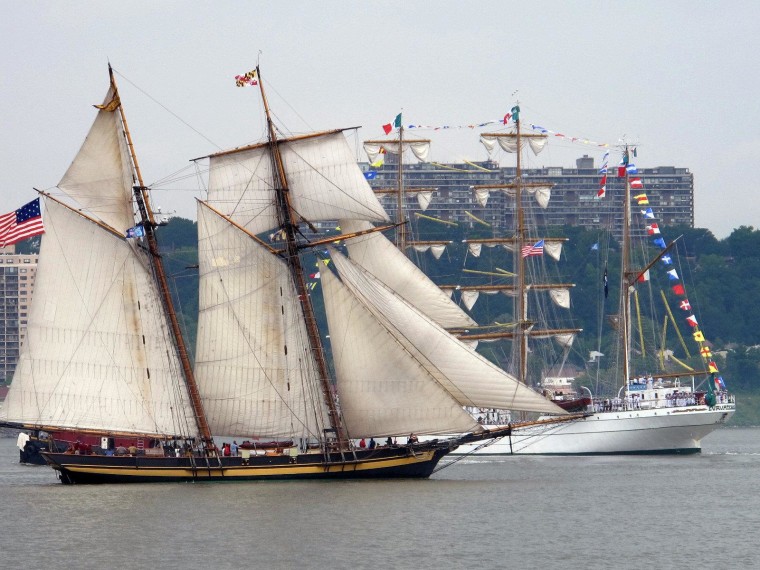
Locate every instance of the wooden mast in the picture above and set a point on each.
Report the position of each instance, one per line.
(289, 224)
(148, 223)
(401, 216)
(522, 295)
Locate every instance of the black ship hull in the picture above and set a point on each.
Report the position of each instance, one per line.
(415, 462)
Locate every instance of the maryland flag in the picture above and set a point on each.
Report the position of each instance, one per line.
(246, 79)
(698, 336)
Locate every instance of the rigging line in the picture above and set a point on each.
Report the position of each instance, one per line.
(165, 108)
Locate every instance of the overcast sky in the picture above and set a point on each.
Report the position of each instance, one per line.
(679, 78)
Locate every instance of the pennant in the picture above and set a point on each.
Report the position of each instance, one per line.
(595, 247)
(692, 320)
(698, 336)
(648, 213)
(387, 128)
(506, 118)
(606, 290)
(314, 275)
(632, 152)
(111, 106)
(621, 171)
(370, 174)
(642, 199)
(631, 169)
(667, 260)
(636, 183)
(602, 192)
(397, 121)
(684, 305)
(20, 224)
(533, 250)
(712, 367)
(720, 383)
(653, 229)
(644, 276)
(379, 161)
(515, 113)
(672, 274)
(705, 352)
(659, 242)
(678, 289)
(136, 232)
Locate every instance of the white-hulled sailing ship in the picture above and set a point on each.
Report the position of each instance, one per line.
(663, 415)
(105, 356)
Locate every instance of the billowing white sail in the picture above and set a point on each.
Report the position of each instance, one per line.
(366, 367)
(324, 181)
(254, 368)
(98, 353)
(375, 253)
(100, 176)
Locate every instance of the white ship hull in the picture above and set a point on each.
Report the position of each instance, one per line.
(653, 431)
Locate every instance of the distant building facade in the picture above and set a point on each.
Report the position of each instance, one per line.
(17, 273)
(669, 189)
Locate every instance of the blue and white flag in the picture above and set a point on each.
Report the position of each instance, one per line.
(136, 232)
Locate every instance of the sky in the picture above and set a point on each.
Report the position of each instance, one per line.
(679, 79)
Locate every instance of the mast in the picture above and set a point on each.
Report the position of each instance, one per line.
(521, 311)
(401, 217)
(625, 287)
(289, 224)
(148, 222)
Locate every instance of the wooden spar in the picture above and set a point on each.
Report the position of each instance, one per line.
(148, 222)
(394, 190)
(287, 219)
(506, 430)
(534, 287)
(98, 223)
(512, 185)
(526, 333)
(522, 300)
(341, 237)
(255, 238)
(634, 276)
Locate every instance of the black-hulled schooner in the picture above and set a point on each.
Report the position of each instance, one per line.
(104, 352)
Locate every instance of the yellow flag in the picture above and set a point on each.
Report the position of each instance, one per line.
(111, 106)
(699, 337)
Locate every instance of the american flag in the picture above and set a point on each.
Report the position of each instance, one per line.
(535, 249)
(21, 224)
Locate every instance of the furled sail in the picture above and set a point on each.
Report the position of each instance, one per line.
(254, 368)
(100, 176)
(376, 254)
(509, 143)
(324, 183)
(420, 148)
(98, 353)
(373, 382)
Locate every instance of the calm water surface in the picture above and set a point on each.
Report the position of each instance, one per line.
(527, 512)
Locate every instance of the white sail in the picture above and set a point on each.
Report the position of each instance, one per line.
(98, 353)
(468, 377)
(100, 176)
(254, 368)
(420, 148)
(324, 181)
(383, 389)
(375, 253)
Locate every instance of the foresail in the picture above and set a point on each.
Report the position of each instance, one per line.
(383, 389)
(98, 353)
(466, 376)
(324, 181)
(100, 176)
(255, 372)
(376, 254)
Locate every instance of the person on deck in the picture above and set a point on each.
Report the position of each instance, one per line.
(363, 444)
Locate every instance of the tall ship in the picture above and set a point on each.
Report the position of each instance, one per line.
(105, 356)
(665, 411)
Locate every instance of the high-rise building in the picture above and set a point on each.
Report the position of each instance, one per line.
(669, 190)
(17, 273)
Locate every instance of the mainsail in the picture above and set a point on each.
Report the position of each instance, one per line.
(99, 353)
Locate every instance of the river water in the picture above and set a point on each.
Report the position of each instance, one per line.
(690, 512)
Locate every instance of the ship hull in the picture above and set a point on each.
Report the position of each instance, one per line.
(633, 432)
(416, 462)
